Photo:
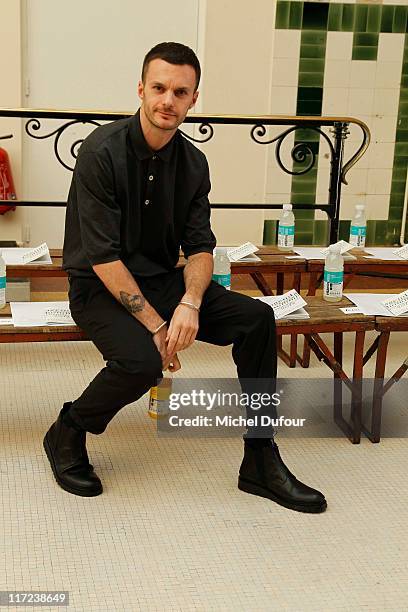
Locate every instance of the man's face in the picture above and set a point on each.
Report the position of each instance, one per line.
(167, 93)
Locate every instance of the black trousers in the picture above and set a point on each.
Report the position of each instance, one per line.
(133, 363)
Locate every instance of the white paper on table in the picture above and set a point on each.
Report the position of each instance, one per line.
(371, 303)
(402, 252)
(285, 304)
(308, 252)
(386, 253)
(6, 320)
(352, 310)
(14, 256)
(59, 315)
(314, 253)
(344, 247)
(244, 252)
(398, 304)
(301, 313)
(32, 314)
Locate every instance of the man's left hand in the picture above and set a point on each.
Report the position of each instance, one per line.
(182, 330)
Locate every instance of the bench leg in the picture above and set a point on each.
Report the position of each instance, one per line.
(356, 395)
(375, 434)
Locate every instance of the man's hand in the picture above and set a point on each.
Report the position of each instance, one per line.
(170, 361)
(160, 341)
(182, 330)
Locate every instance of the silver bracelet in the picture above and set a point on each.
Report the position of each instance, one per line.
(190, 305)
(159, 328)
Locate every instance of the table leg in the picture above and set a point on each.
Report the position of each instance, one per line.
(261, 282)
(375, 434)
(338, 385)
(313, 284)
(293, 350)
(280, 283)
(333, 361)
(356, 395)
(293, 338)
(297, 278)
(290, 359)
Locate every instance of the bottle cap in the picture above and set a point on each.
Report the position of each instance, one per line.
(287, 207)
(360, 206)
(221, 250)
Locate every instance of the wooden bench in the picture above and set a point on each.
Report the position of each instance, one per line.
(324, 318)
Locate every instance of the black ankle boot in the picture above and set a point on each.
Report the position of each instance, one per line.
(263, 473)
(66, 451)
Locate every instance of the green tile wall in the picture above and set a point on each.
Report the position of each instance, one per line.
(309, 102)
(400, 165)
(366, 21)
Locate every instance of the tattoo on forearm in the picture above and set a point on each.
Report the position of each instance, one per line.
(132, 303)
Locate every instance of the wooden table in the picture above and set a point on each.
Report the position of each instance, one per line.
(359, 266)
(324, 317)
(39, 270)
(273, 261)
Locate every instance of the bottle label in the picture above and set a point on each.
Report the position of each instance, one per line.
(2, 282)
(286, 235)
(357, 235)
(223, 279)
(333, 283)
(159, 399)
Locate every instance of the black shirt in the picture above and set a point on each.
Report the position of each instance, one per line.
(129, 203)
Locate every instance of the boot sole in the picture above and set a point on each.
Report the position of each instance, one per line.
(253, 489)
(81, 492)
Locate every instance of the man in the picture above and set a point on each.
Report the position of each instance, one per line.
(139, 192)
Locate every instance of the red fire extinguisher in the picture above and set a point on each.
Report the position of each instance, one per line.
(7, 191)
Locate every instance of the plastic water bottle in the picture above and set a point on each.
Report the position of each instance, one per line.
(286, 229)
(222, 268)
(358, 227)
(333, 274)
(2, 282)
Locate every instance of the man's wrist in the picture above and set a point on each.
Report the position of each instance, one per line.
(158, 328)
(190, 305)
(192, 299)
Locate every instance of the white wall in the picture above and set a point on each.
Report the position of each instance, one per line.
(89, 56)
(10, 96)
(237, 75)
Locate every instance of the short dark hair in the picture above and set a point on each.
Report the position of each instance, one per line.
(173, 53)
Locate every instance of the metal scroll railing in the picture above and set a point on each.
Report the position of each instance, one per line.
(303, 154)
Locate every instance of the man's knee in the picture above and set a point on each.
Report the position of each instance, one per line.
(259, 312)
(133, 371)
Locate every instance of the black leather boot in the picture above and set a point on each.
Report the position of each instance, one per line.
(263, 473)
(66, 451)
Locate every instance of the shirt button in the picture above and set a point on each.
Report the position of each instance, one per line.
(147, 202)
(151, 177)
(154, 156)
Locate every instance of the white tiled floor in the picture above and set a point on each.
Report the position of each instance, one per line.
(171, 530)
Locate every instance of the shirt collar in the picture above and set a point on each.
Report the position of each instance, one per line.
(140, 146)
